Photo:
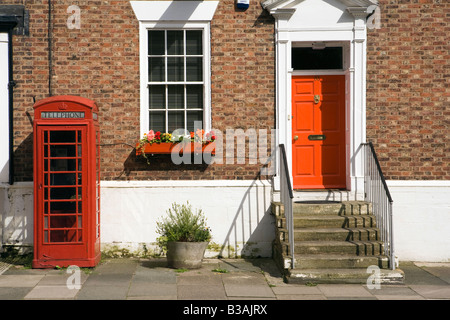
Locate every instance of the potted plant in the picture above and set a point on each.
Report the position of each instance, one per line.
(185, 235)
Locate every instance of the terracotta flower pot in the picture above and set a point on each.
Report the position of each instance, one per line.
(188, 255)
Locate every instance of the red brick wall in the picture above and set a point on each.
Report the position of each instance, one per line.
(407, 84)
(408, 89)
(100, 61)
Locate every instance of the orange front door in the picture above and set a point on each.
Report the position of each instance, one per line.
(318, 132)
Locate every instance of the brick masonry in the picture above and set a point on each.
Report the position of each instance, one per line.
(100, 61)
(408, 89)
(407, 84)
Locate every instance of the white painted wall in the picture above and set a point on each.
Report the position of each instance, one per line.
(238, 213)
(16, 214)
(421, 220)
(4, 103)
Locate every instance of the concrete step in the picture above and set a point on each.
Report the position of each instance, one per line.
(330, 221)
(335, 261)
(332, 208)
(343, 275)
(335, 234)
(359, 248)
(324, 195)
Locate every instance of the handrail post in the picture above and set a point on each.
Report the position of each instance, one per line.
(377, 192)
(286, 196)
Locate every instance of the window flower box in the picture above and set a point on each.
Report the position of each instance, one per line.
(169, 147)
(166, 143)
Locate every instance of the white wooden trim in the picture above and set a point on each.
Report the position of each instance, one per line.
(174, 10)
(4, 108)
(174, 15)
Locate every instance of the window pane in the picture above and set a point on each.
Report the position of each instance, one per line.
(62, 136)
(174, 42)
(157, 121)
(156, 42)
(176, 97)
(157, 97)
(194, 69)
(63, 164)
(194, 96)
(175, 69)
(310, 59)
(156, 69)
(194, 42)
(193, 116)
(176, 120)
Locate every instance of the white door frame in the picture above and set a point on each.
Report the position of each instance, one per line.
(289, 32)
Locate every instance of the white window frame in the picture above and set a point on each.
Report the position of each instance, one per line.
(176, 15)
(144, 27)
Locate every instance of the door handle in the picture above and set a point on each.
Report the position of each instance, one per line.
(316, 99)
(295, 138)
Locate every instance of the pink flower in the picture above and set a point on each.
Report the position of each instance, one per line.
(150, 135)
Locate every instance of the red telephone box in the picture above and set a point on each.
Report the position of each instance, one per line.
(66, 182)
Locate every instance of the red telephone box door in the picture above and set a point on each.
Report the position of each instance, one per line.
(62, 191)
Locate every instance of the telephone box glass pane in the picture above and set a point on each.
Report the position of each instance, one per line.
(62, 136)
(62, 193)
(62, 179)
(63, 207)
(62, 221)
(63, 165)
(58, 151)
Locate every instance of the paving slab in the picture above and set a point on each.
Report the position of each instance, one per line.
(344, 291)
(152, 291)
(22, 280)
(244, 278)
(14, 293)
(301, 297)
(51, 293)
(399, 297)
(201, 292)
(442, 273)
(115, 266)
(237, 291)
(61, 279)
(109, 292)
(296, 290)
(432, 291)
(199, 279)
(237, 265)
(415, 275)
(393, 290)
(111, 279)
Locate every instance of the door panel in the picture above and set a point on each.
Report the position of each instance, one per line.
(318, 132)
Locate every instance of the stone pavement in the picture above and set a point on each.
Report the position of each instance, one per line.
(224, 279)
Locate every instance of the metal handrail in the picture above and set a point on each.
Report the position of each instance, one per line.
(377, 193)
(286, 196)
